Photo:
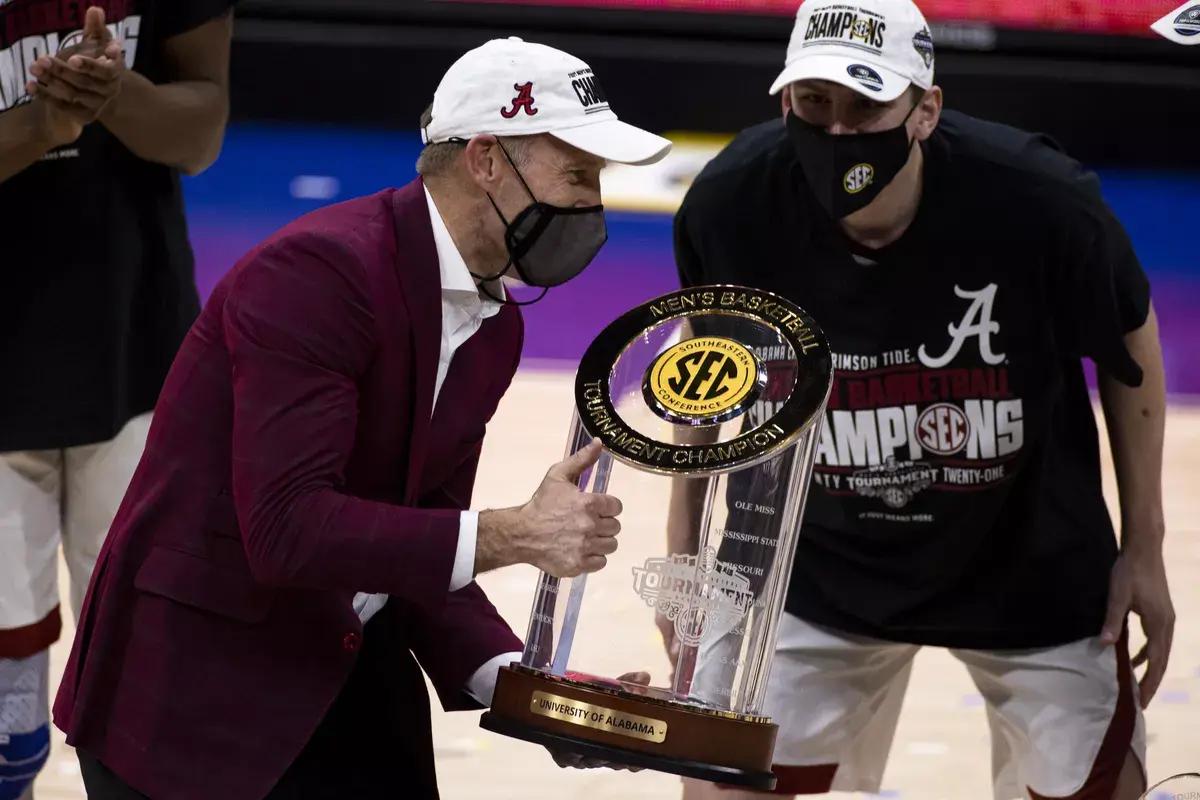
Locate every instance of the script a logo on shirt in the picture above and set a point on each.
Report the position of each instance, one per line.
(976, 322)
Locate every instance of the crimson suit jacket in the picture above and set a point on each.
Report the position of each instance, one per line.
(294, 460)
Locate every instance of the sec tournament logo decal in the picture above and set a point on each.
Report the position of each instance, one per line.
(705, 379)
(1188, 23)
(1182, 25)
(866, 76)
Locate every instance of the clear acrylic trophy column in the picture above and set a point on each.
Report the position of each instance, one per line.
(708, 402)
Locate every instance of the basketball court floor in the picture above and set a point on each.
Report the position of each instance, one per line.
(941, 751)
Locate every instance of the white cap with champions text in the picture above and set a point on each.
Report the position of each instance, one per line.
(509, 87)
(876, 47)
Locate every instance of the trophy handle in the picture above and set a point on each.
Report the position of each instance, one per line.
(575, 599)
(540, 640)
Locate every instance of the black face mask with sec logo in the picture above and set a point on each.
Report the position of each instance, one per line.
(846, 172)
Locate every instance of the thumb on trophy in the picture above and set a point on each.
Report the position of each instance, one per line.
(570, 468)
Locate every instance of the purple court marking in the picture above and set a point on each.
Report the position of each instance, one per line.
(1174, 698)
(972, 700)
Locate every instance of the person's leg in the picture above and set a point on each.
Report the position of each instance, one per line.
(95, 479)
(374, 742)
(24, 723)
(29, 617)
(101, 783)
(1131, 784)
(1068, 719)
(836, 698)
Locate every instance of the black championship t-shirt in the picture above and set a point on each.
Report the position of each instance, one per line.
(97, 269)
(956, 497)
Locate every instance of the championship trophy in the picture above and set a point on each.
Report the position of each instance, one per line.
(709, 403)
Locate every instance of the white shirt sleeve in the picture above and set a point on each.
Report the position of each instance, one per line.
(483, 682)
(464, 558)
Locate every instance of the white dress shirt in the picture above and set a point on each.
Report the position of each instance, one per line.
(464, 309)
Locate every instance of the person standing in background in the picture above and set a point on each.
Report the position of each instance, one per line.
(962, 269)
(101, 108)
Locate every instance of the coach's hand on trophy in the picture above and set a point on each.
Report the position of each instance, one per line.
(568, 760)
(561, 530)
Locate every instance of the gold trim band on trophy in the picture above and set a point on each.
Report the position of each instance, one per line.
(601, 718)
(797, 415)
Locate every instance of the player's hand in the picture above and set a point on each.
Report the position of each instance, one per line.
(56, 123)
(568, 760)
(83, 85)
(82, 79)
(1138, 583)
(94, 40)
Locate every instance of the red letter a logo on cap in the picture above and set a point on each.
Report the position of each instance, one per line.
(524, 99)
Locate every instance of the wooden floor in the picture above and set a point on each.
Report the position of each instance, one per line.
(941, 750)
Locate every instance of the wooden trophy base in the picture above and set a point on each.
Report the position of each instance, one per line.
(626, 729)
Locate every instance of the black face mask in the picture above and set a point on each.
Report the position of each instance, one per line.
(548, 245)
(847, 172)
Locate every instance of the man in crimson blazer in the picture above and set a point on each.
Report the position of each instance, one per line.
(296, 540)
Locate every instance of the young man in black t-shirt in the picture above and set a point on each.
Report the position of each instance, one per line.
(102, 104)
(961, 269)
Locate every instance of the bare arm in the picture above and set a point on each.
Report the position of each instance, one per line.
(1135, 418)
(21, 143)
(29, 131)
(180, 123)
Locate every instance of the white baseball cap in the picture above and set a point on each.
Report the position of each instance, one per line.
(876, 47)
(509, 87)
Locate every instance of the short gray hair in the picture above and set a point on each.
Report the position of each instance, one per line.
(438, 158)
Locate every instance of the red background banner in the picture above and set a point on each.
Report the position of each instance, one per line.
(1127, 17)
